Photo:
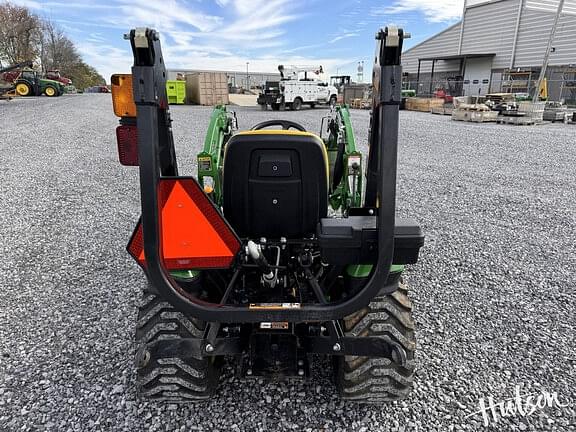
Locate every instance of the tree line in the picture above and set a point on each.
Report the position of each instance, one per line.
(24, 36)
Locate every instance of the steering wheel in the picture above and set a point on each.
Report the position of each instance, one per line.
(286, 124)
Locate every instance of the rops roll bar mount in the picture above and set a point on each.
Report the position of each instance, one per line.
(157, 159)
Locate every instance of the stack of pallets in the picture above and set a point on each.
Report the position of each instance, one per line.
(516, 118)
(360, 103)
(423, 104)
(555, 112)
(528, 113)
(477, 113)
(446, 109)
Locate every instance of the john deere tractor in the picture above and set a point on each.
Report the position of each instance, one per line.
(30, 83)
(283, 246)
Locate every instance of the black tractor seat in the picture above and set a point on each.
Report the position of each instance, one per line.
(275, 183)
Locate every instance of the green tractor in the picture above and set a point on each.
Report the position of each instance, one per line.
(282, 247)
(30, 83)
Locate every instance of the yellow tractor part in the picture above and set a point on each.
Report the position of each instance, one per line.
(50, 91)
(543, 90)
(22, 89)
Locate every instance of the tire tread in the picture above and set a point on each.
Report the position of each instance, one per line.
(378, 380)
(174, 379)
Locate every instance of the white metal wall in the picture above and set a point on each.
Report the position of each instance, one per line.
(444, 43)
(552, 6)
(490, 28)
(535, 31)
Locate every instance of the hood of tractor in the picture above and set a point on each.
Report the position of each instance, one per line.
(57, 84)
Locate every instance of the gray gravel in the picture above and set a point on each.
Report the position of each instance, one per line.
(494, 291)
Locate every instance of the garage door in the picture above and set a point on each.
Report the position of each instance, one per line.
(477, 76)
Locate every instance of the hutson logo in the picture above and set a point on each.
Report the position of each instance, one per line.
(521, 405)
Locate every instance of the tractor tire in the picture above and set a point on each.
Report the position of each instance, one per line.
(297, 104)
(51, 91)
(23, 89)
(378, 380)
(275, 106)
(177, 379)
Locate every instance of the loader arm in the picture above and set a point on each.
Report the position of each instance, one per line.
(345, 161)
(386, 97)
(210, 160)
(157, 161)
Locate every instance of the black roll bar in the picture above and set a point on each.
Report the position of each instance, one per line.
(157, 159)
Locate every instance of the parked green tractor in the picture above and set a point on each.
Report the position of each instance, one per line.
(30, 83)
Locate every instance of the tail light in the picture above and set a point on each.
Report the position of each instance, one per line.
(125, 108)
(127, 137)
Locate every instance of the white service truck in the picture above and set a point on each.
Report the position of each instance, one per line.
(293, 90)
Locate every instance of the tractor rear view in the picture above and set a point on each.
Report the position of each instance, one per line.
(285, 245)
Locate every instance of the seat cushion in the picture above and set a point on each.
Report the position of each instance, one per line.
(275, 183)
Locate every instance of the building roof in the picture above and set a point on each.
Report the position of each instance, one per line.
(432, 37)
(517, 31)
(221, 71)
(457, 57)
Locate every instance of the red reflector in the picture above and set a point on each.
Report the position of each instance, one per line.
(127, 137)
(194, 235)
(136, 245)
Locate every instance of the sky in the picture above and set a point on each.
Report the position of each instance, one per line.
(225, 34)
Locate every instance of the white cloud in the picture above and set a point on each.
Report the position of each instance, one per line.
(433, 10)
(342, 36)
(192, 39)
(268, 64)
(110, 60)
(242, 31)
(168, 14)
(106, 59)
(254, 24)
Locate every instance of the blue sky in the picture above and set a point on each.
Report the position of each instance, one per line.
(225, 34)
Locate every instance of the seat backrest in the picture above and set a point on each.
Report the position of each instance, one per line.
(275, 183)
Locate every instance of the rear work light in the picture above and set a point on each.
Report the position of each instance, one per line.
(193, 233)
(122, 96)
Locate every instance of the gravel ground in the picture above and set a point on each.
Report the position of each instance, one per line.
(494, 292)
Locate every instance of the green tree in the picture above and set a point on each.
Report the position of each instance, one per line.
(57, 51)
(24, 36)
(83, 75)
(20, 34)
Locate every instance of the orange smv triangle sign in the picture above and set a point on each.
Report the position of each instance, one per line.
(193, 233)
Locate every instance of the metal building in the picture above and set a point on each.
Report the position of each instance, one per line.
(498, 46)
(235, 78)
